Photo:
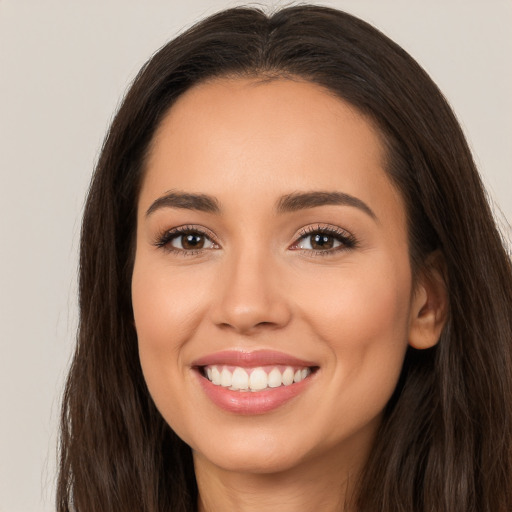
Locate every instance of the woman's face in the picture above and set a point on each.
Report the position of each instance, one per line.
(271, 255)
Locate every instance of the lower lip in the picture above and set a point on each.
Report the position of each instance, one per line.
(251, 402)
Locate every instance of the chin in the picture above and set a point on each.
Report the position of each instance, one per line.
(253, 458)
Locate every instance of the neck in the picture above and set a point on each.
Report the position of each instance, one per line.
(310, 487)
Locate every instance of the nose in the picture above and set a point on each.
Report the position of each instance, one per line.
(251, 296)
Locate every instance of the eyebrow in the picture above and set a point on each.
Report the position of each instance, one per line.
(303, 200)
(288, 203)
(186, 201)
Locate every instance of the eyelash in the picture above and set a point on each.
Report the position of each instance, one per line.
(347, 240)
(164, 240)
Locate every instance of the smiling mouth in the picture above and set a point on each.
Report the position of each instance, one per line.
(260, 378)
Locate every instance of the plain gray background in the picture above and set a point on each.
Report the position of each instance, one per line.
(63, 68)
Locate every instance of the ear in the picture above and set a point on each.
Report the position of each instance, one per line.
(429, 306)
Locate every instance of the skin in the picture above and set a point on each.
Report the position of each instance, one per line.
(257, 285)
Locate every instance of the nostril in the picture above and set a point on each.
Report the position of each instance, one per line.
(247, 325)
(265, 324)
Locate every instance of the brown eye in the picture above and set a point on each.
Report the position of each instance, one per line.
(192, 241)
(188, 241)
(322, 241)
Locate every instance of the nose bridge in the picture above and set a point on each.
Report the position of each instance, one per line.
(250, 295)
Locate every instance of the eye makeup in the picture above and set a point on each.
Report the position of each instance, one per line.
(188, 240)
(322, 240)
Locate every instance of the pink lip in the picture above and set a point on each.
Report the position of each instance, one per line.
(248, 402)
(251, 359)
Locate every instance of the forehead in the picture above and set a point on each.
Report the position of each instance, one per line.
(247, 138)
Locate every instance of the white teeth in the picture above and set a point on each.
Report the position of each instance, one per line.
(288, 376)
(225, 378)
(274, 378)
(215, 376)
(240, 379)
(257, 379)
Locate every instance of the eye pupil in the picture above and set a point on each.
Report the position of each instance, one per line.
(192, 241)
(322, 241)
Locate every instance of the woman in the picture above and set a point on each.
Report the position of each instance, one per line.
(293, 295)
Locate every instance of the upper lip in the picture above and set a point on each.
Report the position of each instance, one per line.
(254, 358)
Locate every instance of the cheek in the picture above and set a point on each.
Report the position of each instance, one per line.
(163, 313)
(360, 301)
(362, 316)
(362, 320)
(166, 306)
(167, 310)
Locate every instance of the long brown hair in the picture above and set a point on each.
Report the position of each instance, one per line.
(445, 444)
